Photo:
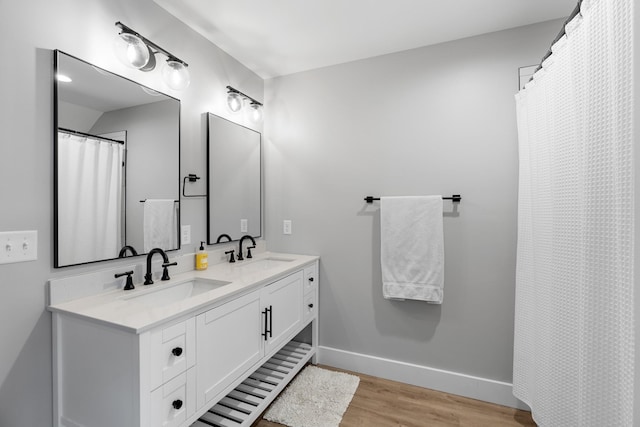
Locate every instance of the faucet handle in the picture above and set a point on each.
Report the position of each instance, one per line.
(249, 251)
(165, 270)
(231, 259)
(129, 284)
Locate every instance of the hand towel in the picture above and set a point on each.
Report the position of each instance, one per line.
(160, 224)
(412, 248)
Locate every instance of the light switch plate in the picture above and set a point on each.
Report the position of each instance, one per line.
(18, 246)
(185, 236)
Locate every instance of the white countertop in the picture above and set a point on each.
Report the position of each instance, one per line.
(114, 308)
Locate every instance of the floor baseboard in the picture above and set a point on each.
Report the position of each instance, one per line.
(423, 376)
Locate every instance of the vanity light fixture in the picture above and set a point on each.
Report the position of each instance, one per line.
(136, 51)
(234, 102)
(255, 113)
(237, 99)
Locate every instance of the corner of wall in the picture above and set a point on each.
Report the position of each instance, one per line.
(636, 246)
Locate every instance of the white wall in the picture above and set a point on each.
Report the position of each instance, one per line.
(83, 28)
(434, 120)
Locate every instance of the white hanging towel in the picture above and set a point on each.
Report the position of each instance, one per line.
(160, 224)
(412, 248)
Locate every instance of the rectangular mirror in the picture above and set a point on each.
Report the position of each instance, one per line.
(116, 165)
(233, 180)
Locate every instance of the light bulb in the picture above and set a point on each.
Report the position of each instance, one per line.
(255, 113)
(64, 79)
(176, 75)
(131, 50)
(234, 102)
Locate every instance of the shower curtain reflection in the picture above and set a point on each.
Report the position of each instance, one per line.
(90, 198)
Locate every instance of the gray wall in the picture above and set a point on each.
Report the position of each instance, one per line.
(83, 28)
(434, 120)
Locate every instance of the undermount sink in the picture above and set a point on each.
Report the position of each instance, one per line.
(263, 264)
(175, 293)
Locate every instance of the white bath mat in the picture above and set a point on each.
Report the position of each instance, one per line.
(315, 398)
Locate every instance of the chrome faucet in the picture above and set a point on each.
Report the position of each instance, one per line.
(246, 236)
(165, 273)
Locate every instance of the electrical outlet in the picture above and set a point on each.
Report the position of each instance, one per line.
(244, 225)
(185, 236)
(286, 226)
(18, 246)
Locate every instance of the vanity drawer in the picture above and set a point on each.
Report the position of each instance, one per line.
(174, 402)
(172, 352)
(310, 278)
(310, 307)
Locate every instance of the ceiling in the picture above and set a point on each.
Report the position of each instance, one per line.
(279, 37)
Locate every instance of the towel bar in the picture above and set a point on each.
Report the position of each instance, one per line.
(456, 198)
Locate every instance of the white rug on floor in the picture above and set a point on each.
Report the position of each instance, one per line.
(315, 398)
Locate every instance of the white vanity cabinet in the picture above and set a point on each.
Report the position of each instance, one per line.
(178, 371)
(235, 336)
(281, 310)
(105, 376)
(310, 301)
(228, 343)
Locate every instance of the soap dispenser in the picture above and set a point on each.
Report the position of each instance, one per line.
(202, 258)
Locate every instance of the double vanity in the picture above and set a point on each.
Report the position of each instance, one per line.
(216, 345)
(202, 348)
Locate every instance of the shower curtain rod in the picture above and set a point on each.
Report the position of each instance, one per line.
(88, 135)
(456, 198)
(561, 34)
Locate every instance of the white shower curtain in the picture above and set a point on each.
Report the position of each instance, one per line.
(90, 175)
(574, 341)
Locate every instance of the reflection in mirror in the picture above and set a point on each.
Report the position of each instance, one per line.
(117, 146)
(233, 181)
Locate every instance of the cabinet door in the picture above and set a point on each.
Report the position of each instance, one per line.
(228, 343)
(282, 301)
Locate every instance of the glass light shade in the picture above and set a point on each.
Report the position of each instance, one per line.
(255, 113)
(131, 50)
(176, 75)
(234, 102)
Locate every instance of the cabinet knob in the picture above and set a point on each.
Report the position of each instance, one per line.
(311, 279)
(177, 351)
(177, 404)
(310, 305)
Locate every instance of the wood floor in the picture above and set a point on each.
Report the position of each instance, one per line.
(383, 403)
